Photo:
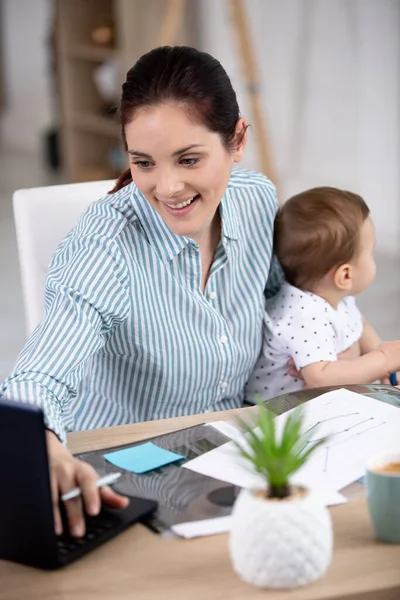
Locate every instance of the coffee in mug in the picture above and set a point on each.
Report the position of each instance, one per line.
(390, 468)
(383, 494)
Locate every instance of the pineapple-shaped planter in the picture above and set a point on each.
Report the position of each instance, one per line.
(280, 543)
(281, 536)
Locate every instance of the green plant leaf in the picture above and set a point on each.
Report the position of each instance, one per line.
(276, 459)
(291, 432)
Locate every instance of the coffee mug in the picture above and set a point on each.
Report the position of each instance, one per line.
(382, 482)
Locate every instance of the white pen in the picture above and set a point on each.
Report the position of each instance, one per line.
(106, 480)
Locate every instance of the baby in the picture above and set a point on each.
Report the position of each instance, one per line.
(324, 239)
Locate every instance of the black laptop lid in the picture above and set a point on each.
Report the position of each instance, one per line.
(26, 514)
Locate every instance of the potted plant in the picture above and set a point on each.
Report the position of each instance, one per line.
(281, 536)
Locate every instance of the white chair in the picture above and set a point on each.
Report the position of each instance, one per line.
(43, 217)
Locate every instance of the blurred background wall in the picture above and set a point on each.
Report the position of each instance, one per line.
(329, 75)
(28, 111)
(329, 79)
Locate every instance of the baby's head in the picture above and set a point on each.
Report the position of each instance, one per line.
(325, 237)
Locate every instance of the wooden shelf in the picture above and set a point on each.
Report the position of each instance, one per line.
(93, 123)
(88, 138)
(93, 172)
(90, 52)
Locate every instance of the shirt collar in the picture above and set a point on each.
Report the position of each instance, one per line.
(229, 218)
(166, 243)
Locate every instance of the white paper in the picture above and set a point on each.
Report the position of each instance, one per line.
(225, 464)
(329, 497)
(359, 427)
(202, 528)
(226, 429)
(223, 524)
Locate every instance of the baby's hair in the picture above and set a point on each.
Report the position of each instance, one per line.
(316, 231)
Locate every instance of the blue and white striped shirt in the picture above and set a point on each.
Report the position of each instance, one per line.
(128, 335)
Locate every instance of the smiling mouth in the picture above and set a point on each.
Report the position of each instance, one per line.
(183, 204)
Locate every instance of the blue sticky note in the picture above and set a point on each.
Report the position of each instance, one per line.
(143, 458)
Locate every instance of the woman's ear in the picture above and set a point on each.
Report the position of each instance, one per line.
(342, 278)
(241, 139)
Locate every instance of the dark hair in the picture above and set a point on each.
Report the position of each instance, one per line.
(316, 231)
(185, 75)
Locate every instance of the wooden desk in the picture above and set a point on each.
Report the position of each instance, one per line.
(139, 564)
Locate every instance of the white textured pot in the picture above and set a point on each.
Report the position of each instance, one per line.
(280, 543)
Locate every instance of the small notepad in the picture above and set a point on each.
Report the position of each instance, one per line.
(143, 458)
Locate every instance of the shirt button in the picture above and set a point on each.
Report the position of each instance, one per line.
(223, 339)
(213, 295)
(223, 385)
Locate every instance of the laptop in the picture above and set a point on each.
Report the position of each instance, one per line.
(27, 531)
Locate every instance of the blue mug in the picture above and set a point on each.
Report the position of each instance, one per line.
(382, 482)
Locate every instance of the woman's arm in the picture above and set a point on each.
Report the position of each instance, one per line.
(86, 296)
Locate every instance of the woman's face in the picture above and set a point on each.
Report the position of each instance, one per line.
(181, 167)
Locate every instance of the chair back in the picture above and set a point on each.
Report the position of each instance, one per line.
(43, 217)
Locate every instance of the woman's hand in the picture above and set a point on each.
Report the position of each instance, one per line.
(67, 472)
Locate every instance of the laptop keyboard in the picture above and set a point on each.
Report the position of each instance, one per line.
(96, 527)
(108, 523)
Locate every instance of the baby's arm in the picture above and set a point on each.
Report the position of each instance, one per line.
(369, 339)
(373, 365)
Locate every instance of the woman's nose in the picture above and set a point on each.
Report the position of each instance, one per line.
(168, 185)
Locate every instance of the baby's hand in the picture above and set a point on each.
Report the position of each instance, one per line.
(391, 351)
(293, 372)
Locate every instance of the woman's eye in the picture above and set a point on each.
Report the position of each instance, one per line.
(143, 164)
(189, 161)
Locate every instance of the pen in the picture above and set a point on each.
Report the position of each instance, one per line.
(393, 378)
(106, 480)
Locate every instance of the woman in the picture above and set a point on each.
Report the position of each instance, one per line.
(154, 301)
